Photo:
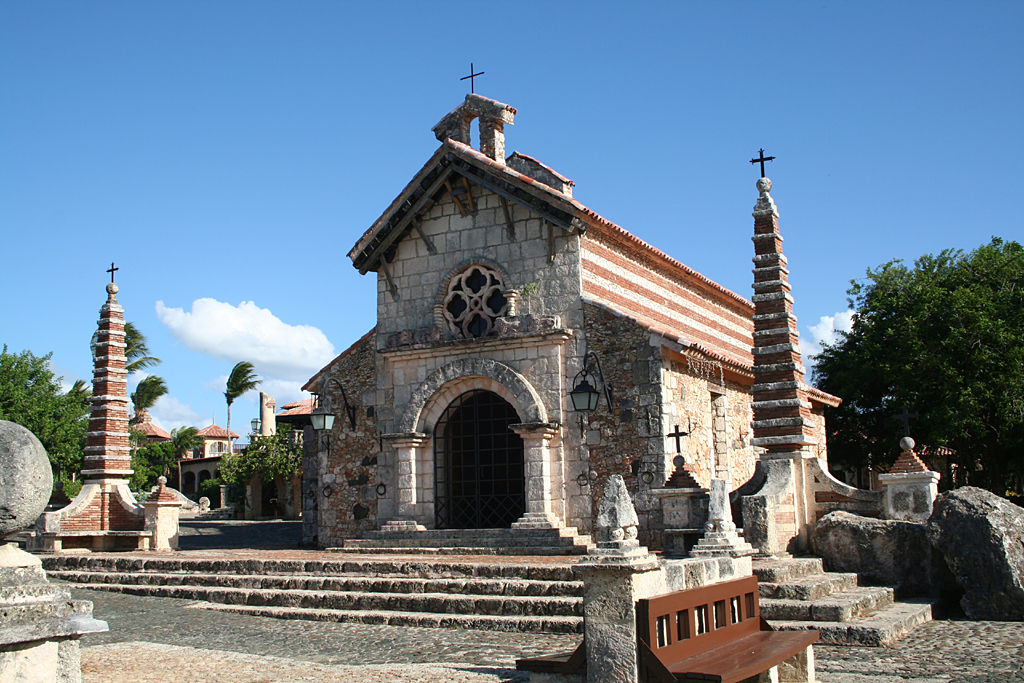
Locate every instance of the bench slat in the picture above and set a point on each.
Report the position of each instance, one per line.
(743, 658)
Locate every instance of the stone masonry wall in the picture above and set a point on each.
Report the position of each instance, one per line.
(350, 470)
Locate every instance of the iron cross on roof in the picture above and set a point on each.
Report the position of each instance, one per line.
(472, 76)
(112, 270)
(762, 158)
(905, 417)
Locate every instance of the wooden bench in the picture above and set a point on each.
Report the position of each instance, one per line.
(713, 633)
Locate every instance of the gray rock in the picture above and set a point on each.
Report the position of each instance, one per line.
(615, 512)
(881, 551)
(982, 538)
(25, 478)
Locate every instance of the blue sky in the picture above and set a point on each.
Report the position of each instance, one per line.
(227, 155)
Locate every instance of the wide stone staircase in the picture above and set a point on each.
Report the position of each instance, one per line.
(797, 594)
(536, 542)
(514, 596)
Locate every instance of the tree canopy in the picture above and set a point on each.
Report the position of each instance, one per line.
(945, 338)
(31, 395)
(243, 378)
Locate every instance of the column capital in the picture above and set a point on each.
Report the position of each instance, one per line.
(536, 430)
(406, 439)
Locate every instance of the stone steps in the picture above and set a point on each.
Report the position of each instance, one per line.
(538, 551)
(516, 624)
(797, 594)
(364, 584)
(512, 596)
(547, 542)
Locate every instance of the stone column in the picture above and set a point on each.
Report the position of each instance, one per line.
(41, 625)
(537, 466)
(162, 510)
(268, 416)
(407, 449)
(910, 487)
(616, 573)
(720, 536)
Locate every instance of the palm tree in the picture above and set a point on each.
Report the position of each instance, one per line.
(136, 350)
(242, 379)
(183, 440)
(145, 396)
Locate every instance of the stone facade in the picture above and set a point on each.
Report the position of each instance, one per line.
(492, 278)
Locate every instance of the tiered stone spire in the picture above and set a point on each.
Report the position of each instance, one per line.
(782, 412)
(107, 451)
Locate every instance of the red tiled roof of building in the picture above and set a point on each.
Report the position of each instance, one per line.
(151, 430)
(304, 407)
(216, 432)
(312, 385)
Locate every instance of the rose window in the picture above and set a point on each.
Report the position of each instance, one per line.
(473, 301)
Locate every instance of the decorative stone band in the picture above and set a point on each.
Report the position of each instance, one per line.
(787, 440)
(785, 422)
(770, 258)
(109, 371)
(113, 359)
(112, 473)
(774, 316)
(765, 207)
(775, 348)
(776, 386)
(115, 344)
(102, 449)
(773, 296)
(768, 236)
(770, 284)
(779, 367)
(108, 398)
(121, 434)
(774, 331)
(782, 403)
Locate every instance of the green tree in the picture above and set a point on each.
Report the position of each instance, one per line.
(31, 395)
(241, 380)
(184, 440)
(266, 457)
(149, 461)
(145, 396)
(946, 338)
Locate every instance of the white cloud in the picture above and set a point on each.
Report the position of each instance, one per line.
(826, 331)
(170, 413)
(248, 332)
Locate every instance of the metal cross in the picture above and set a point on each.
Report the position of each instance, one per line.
(905, 418)
(471, 77)
(111, 270)
(678, 434)
(761, 159)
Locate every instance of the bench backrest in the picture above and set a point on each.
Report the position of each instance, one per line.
(686, 623)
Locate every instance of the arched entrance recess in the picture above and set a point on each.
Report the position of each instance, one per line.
(479, 476)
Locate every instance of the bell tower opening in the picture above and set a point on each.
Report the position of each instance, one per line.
(479, 477)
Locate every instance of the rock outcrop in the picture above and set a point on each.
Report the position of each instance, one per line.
(880, 551)
(982, 538)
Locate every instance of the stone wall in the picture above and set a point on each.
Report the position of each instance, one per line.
(349, 472)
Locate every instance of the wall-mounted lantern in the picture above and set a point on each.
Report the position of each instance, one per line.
(584, 395)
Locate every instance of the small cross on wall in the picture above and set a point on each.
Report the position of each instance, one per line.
(677, 435)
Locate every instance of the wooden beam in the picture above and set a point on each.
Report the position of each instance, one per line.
(508, 218)
(469, 194)
(387, 276)
(418, 226)
(476, 175)
(458, 202)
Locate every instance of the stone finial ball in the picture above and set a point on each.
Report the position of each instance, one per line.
(161, 480)
(764, 185)
(25, 478)
(679, 461)
(907, 444)
(112, 289)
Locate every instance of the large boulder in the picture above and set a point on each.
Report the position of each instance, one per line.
(881, 551)
(25, 478)
(982, 538)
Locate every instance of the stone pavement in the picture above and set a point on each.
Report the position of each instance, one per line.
(162, 639)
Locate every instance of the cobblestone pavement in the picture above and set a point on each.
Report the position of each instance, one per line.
(161, 639)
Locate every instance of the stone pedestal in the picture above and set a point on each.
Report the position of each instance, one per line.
(910, 488)
(162, 511)
(407, 465)
(685, 512)
(537, 463)
(720, 535)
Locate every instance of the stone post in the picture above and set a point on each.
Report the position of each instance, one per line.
(407, 447)
(720, 536)
(616, 573)
(685, 507)
(268, 415)
(537, 463)
(162, 511)
(41, 625)
(910, 488)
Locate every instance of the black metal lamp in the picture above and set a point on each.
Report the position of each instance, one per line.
(583, 395)
(321, 419)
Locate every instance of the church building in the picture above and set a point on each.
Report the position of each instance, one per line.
(501, 301)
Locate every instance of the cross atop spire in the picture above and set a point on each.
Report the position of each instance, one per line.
(112, 270)
(761, 159)
(472, 78)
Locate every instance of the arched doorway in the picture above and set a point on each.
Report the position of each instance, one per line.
(479, 482)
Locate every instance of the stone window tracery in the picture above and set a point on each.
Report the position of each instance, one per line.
(473, 301)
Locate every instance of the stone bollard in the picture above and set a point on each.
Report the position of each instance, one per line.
(41, 625)
(616, 573)
(910, 487)
(162, 511)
